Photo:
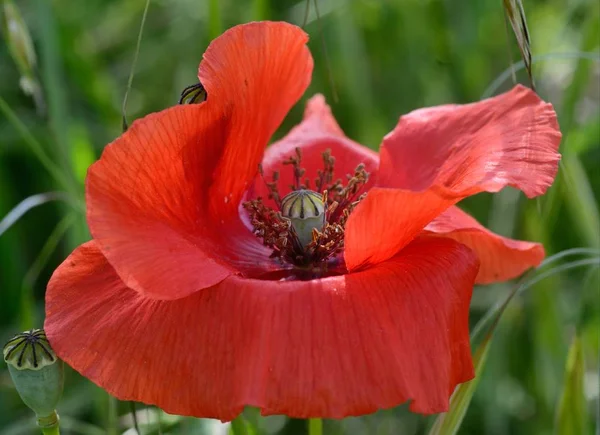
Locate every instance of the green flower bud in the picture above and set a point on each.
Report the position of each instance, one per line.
(306, 211)
(37, 374)
(19, 40)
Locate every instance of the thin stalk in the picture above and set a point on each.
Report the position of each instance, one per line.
(49, 424)
(214, 19)
(113, 416)
(315, 426)
(508, 40)
(134, 63)
(134, 417)
(325, 55)
(27, 318)
(51, 430)
(524, 285)
(517, 66)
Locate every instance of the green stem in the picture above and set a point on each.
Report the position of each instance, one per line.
(49, 425)
(238, 426)
(51, 430)
(315, 426)
(214, 19)
(113, 416)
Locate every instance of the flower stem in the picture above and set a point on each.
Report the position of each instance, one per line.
(113, 415)
(51, 430)
(49, 424)
(315, 426)
(238, 426)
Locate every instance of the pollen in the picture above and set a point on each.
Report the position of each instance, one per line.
(306, 227)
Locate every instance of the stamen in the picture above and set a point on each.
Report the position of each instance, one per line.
(276, 231)
(295, 161)
(326, 175)
(271, 186)
(309, 246)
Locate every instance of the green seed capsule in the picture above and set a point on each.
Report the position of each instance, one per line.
(37, 373)
(306, 211)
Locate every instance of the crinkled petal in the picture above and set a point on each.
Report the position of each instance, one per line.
(255, 72)
(386, 221)
(500, 258)
(511, 139)
(437, 156)
(339, 346)
(317, 133)
(162, 200)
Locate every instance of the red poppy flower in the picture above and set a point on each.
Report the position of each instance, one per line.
(199, 297)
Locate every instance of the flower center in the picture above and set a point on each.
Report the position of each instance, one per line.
(306, 229)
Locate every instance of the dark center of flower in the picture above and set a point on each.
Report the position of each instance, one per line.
(306, 229)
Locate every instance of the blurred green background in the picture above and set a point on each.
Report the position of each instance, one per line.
(374, 60)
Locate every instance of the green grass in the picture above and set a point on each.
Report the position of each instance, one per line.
(373, 61)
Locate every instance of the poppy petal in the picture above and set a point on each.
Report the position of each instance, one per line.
(255, 72)
(437, 156)
(163, 198)
(500, 258)
(386, 221)
(339, 346)
(511, 139)
(318, 132)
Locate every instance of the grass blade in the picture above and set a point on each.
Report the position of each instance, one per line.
(27, 204)
(517, 66)
(34, 146)
(54, 84)
(27, 317)
(449, 423)
(214, 19)
(571, 415)
(516, 16)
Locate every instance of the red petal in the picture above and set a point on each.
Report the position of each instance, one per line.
(162, 200)
(439, 155)
(345, 345)
(317, 133)
(386, 221)
(501, 258)
(255, 72)
(511, 139)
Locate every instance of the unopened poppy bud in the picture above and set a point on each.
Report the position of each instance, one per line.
(18, 38)
(37, 374)
(305, 209)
